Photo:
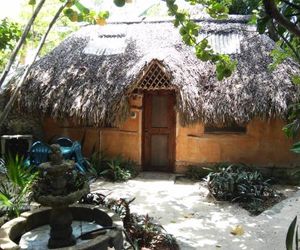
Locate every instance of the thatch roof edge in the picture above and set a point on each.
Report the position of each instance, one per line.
(92, 88)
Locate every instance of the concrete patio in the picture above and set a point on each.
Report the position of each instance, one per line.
(196, 221)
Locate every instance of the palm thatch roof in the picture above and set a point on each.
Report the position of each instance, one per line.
(91, 74)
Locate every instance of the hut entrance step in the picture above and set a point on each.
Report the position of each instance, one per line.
(159, 122)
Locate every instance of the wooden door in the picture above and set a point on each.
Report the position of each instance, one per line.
(159, 123)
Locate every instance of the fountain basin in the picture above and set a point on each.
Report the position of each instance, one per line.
(11, 232)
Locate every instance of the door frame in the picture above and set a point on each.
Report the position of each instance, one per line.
(171, 167)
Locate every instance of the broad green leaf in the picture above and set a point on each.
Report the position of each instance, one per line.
(4, 201)
(119, 3)
(81, 8)
(103, 14)
(290, 235)
(296, 79)
(32, 2)
(296, 148)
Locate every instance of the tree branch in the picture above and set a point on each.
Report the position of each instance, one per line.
(272, 10)
(13, 97)
(287, 43)
(21, 41)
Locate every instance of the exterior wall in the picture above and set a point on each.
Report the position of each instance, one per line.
(124, 140)
(55, 129)
(264, 145)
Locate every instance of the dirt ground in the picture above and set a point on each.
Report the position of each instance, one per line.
(198, 222)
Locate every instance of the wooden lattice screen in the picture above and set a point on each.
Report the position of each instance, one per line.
(154, 78)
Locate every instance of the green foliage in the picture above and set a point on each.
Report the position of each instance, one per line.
(74, 12)
(14, 190)
(217, 10)
(296, 79)
(119, 3)
(77, 12)
(293, 127)
(10, 33)
(243, 7)
(116, 169)
(119, 169)
(278, 55)
(115, 172)
(98, 161)
(287, 43)
(296, 148)
(197, 173)
(32, 2)
(17, 173)
(189, 30)
(292, 236)
(237, 183)
(225, 66)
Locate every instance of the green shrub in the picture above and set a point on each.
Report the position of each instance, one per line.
(197, 173)
(16, 186)
(99, 161)
(237, 183)
(115, 169)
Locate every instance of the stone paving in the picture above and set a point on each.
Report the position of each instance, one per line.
(199, 223)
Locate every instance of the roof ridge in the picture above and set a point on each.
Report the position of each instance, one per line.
(230, 19)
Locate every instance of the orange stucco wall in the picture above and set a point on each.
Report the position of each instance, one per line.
(124, 140)
(264, 144)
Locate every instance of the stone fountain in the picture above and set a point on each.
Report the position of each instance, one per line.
(58, 187)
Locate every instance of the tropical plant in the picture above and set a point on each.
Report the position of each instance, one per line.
(15, 189)
(2, 166)
(197, 173)
(98, 161)
(115, 172)
(292, 236)
(115, 169)
(237, 183)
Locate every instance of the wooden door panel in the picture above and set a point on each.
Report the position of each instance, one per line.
(159, 111)
(159, 131)
(159, 151)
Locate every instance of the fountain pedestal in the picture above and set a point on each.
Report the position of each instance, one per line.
(61, 229)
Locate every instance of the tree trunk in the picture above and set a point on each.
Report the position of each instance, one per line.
(272, 10)
(13, 97)
(21, 41)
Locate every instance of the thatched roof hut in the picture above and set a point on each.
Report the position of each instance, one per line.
(91, 74)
